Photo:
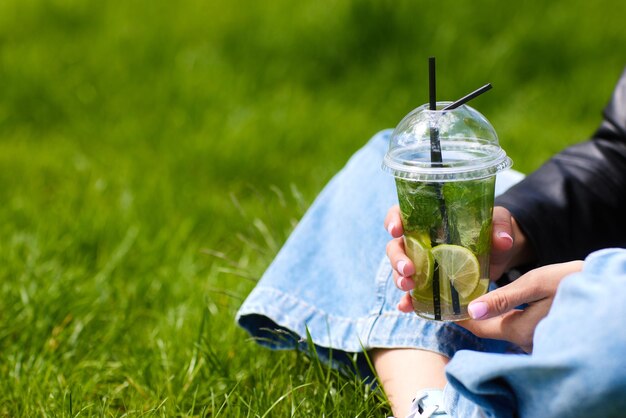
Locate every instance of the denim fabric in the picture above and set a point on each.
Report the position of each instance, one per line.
(332, 278)
(578, 364)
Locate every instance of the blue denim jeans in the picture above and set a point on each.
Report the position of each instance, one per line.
(332, 281)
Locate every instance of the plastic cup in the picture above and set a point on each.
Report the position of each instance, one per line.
(446, 206)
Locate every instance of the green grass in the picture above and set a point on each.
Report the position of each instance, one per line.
(155, 155)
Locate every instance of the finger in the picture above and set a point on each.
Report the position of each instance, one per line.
(405, 304)
(537, 284)
(501, 242)
(540, 283)
(403, 283)
(393, 222)
(399, 261)
(525, 289)
(502, 230)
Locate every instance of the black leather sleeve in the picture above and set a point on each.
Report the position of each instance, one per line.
(576, 202)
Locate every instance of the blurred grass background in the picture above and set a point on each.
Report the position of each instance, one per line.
(154, 156)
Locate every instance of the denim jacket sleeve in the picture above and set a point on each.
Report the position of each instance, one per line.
(576, 202)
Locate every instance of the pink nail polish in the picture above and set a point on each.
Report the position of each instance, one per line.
(505, 235)
(477, 310)
(390, 228)
(401, 266)
(400, 283)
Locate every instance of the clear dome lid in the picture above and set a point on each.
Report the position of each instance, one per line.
(468, 143)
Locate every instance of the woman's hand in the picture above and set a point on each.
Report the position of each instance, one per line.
(509, 248)
(495, 314)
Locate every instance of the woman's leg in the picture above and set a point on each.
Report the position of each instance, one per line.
(403, 372)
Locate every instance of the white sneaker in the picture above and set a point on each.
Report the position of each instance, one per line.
(428, 403)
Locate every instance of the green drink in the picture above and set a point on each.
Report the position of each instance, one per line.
(460, 254)
(447, 206)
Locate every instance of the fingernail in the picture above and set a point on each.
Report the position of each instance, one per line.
(400, 283)
(477, 310)
(401, 266)
(505, 235)
(390, 227)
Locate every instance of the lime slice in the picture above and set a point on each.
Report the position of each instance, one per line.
(423, 260)
(480, 290)
(459, 266)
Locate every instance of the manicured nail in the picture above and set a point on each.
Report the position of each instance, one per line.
(400, 283)
(477, 310)
(505, 235)
(401, 266)
(390, 227)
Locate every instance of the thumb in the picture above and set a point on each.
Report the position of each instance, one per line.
(502, 229)
(506, 298)
(502, 241)
(540, 283)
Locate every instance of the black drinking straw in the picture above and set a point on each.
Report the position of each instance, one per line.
(437, 161)
(467, 98)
